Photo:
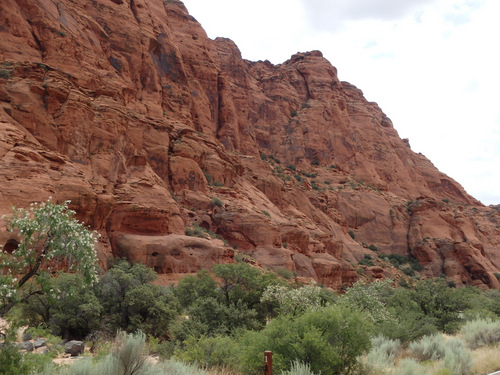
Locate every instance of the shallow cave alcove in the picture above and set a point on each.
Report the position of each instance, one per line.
(10, 246)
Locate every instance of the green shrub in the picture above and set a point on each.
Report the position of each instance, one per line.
(481, 332)
(272, 157)
(367, 261)
(428, 348)
(207, 351)
(293, 113)
(263, 157)
(284, 273)
(216, 202)
(373, 247)
(291, 167)
(196, 231)
(329, 339)
(397, 260)
(266, 213)
(457, 358)
(351, 233)
(5, 74)
(13, 362)
(497, 275)
(315, 162)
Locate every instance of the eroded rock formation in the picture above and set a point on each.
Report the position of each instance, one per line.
(149, 127)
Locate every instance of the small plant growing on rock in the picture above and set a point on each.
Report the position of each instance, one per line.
(196, 231)
(5, 74)
(216, 202)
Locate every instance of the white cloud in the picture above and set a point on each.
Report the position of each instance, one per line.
(330, 15)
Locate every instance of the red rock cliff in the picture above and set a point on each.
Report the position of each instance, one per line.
(128, 109)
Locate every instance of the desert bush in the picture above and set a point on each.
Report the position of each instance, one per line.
(383, 352)
(428, 348)
(457, 358)
(299, 368)
(130, 352)
(481, 332)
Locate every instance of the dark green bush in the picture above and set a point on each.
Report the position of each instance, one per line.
(216, 202)
(130, 302)
(5, 74)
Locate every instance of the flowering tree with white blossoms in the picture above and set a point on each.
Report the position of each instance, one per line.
(50, 239)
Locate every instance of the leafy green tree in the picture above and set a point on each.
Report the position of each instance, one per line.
(409, 321)
(69, 309)
(209, 317)
(130, 302)
(50, 239)
(440, 302)
(244, 285)
(192, 288)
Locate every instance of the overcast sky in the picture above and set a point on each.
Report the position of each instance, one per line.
(433, 66)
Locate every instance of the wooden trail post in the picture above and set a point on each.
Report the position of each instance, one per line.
(268, 363)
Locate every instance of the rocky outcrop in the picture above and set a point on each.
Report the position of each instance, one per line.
(128, 110)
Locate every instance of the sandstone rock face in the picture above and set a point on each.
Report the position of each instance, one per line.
(128, 110)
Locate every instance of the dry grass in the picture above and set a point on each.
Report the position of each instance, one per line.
(486, 360)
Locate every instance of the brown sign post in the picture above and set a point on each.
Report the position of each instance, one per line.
(268, 363)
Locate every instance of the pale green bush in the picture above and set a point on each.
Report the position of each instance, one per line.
(383, 352)
(481, 332)
(457, 358)
(428, 348)
(299, 368)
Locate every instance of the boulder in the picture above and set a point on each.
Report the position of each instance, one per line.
(74, 348)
